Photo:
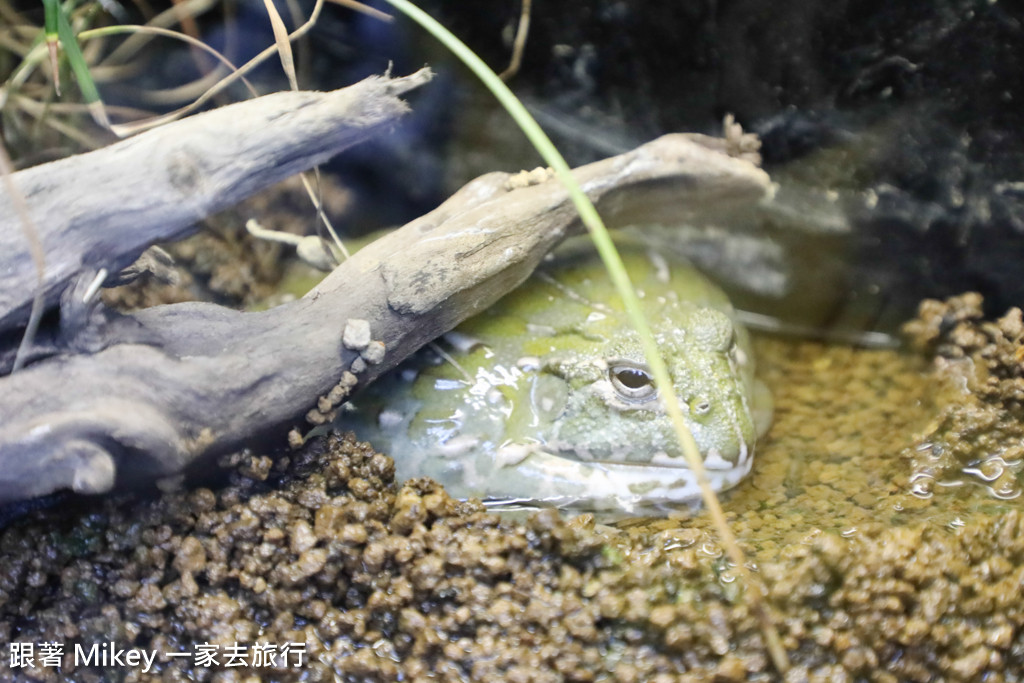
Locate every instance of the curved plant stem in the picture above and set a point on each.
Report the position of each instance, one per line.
(35, 248)
(619, 277)
(176, 35)
(519, 43)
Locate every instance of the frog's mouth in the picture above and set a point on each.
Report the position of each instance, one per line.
(562, 479)
(672, 483)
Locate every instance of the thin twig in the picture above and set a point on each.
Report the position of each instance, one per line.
(364, 9)
(35, 246)
(177, 35)
(128, 49)
(519, 43)
(321, 215)
(138, 126)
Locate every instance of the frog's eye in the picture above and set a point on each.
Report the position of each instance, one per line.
(632, 383)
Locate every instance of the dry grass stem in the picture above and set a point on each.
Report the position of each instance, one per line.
(519, 43)
(284, 46)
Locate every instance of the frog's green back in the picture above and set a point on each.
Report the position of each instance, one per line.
(546, 396)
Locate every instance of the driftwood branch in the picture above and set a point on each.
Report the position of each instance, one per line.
(139, 396)
(101, 210)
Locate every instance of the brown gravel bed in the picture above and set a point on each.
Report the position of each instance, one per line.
(870, 578)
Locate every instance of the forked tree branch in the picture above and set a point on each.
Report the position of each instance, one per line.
(132, 397)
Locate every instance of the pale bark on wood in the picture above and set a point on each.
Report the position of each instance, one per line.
(132, 397)
(104, 208)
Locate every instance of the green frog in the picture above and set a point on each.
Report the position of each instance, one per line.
(546, 399)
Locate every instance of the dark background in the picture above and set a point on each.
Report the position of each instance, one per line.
(907, 114)
(911, 111)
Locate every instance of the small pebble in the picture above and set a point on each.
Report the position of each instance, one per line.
(373, 353)
(356, 335)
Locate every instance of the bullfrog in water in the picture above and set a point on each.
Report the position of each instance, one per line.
(546, 398)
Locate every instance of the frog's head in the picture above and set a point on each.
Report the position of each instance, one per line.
(606, 412)
(553, 403)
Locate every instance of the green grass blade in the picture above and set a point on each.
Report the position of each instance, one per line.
(51, 11)
(588, 213)
(76, 60)
(617, 273)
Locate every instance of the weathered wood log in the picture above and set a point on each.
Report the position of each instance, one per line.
(139, 396)
(104, 208)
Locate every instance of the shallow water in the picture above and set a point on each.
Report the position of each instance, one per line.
(834, 459)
